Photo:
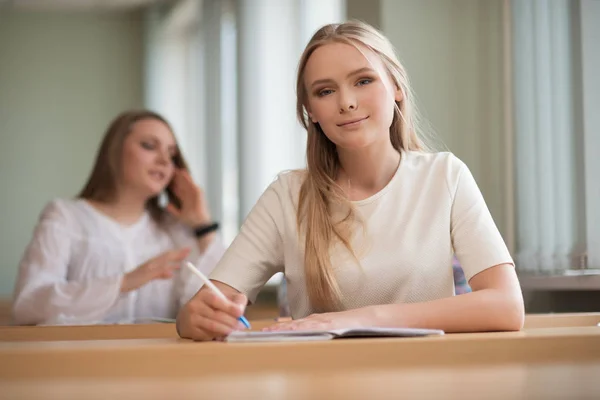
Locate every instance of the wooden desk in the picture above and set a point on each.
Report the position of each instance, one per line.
(5, 310)
(533, 321)
(521, 381)
(104, 332)
(96, 332)
(160, 358)
(541, 363)
(149, 331)
(86, 332)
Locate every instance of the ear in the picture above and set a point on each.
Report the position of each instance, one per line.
(310, 114)
(398, 95)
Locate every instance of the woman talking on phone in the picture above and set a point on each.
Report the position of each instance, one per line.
(112, 254)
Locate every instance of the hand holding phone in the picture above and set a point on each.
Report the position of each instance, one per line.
(189, 205)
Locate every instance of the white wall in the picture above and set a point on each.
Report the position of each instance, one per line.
(62, 78)
(452, 50)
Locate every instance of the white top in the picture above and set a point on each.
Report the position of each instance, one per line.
(71, 271)
(429, 210)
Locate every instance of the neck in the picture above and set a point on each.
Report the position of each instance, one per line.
(366, 171)
(127, 207)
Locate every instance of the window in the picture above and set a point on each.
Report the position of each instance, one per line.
(223, 72)
(557, 136)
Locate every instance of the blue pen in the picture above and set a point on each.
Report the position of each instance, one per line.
(208, 283)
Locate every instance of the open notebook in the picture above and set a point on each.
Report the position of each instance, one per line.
(298, 336)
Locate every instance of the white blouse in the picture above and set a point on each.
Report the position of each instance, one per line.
(72, 269)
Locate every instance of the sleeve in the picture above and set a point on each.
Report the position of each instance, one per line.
(43, 294)
(477, 242)
(256, 254)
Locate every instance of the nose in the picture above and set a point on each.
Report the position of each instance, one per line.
(347, 101)
(163, 157)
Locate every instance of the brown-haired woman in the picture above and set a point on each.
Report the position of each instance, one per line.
(113, 253)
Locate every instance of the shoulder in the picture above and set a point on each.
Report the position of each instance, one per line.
(439, 161)
(289, 180)
(286, 186)
(434, 168)
(60, 209)
(62, 215)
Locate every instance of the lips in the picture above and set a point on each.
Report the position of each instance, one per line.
(158, 175)
(352, 122)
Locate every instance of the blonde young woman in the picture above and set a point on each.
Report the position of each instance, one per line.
(366, 235)
(112, 255)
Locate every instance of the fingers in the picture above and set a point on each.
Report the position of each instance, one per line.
(173, 210)
(167, 272)
(239, 299)
(163, 266)
(172, 263)
(180, 254)
(205, 322)
(183, 175)
(225, 319)
(185, 187)
(227, 306)
(212, 327)
(182, 180)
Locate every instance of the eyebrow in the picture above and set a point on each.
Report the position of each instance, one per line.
(172, 147)
(355, 72)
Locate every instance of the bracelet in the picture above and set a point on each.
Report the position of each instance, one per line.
(205, 229)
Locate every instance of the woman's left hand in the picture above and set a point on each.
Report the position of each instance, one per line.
(194, 208)
(325, 321)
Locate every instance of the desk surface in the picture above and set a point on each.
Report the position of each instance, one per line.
(97, 332)
(507, 381)
(561, 320)
(147, 331)
(537, 363)
(160, 358)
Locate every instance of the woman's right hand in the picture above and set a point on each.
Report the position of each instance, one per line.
(207, 316)
(160, 267)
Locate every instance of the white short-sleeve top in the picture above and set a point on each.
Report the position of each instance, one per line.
(430, 210)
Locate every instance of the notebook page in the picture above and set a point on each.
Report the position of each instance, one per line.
(278, 336)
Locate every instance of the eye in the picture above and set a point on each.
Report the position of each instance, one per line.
(324, 92)
(148, 145)
(364, 81)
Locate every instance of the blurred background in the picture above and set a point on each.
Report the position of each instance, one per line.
(511, 87)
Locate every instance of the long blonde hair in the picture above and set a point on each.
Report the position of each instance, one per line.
(319, 190)
(101, 185)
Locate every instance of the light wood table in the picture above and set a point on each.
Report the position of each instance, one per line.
(86, 332)
(148, 331)
(97, 332)
(517, 381)
(541, 363)
(533, 321)
(179, 357)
